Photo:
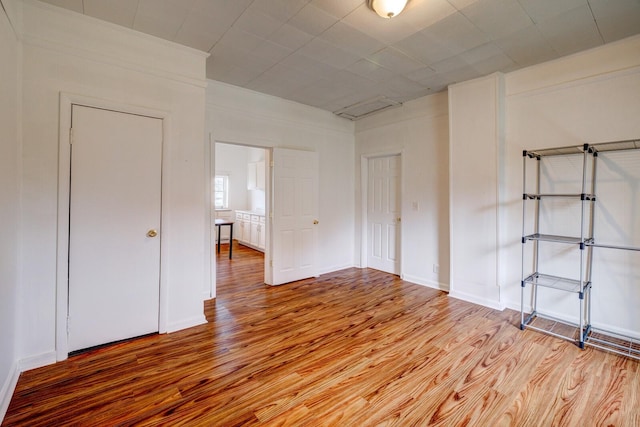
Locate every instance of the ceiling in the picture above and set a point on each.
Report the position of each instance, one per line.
(335, 54)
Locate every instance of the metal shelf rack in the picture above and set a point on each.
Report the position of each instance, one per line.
(582, 333)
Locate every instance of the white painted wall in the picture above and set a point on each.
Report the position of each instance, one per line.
(475, 117)
(231, 160)
(593, 96)
(71, 53)
(419, 131)
(9, 207)
(245, 117)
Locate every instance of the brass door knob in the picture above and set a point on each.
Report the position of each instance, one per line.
(316, 222)
(152, 233)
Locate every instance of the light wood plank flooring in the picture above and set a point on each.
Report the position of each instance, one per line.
(350, 348)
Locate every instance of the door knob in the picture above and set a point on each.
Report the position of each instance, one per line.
(316, 222)
(152, 233)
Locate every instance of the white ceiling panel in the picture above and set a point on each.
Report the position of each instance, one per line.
(394, 60)
(540, 10)
(616, 18)
(497, 18)
(424, 48)
(327, 53)
(370, 70)
(336, 53)
(161, 18)
(338, 9)
(75, 5)
(388, 31)
(312, 20)
(279, 10)
(350, 39)
(291, 37)
(571, 31)
(527, 47)
(421, 14)
(456, 33)
(255, 22)
(121, 12)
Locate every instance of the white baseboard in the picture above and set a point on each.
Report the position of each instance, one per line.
(426, 282)
(474, 299)
(334, 268)
(8, 387)
(37, 361)
(186, 323)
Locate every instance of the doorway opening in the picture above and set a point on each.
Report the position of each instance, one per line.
(239, 208)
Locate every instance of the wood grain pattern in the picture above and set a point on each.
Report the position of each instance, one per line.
(351, 348)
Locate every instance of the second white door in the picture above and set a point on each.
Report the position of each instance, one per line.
(383, 214)
(114, 226)
(295, 215)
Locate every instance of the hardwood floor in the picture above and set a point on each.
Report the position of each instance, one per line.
(351, 348)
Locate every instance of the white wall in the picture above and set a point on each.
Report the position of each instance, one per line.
(419, 131)
(9, 207)
(589, 97)
(64, 52)
(475, 116)
(245, 117)
(231, 160)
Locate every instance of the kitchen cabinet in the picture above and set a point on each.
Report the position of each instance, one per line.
(251, 229)
(256, 176)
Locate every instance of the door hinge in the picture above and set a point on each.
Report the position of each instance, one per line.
(70, 136)
(68, 322)
(270, 263)
(271, 163)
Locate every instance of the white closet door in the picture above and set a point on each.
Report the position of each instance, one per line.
(114, 235)
(383, 214)
(295, 215)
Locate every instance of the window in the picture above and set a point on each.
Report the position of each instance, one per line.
(221, 191)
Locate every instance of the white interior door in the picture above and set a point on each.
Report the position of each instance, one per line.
(114, 256)
(383, 214)
(295, 215)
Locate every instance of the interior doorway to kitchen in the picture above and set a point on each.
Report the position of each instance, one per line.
(239, 196)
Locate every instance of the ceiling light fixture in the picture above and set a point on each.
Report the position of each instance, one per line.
(387, 8)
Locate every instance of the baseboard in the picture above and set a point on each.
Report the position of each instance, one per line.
(38, 361)
(8, 387)
(334, 268)
(425, 282)
(186, 323)
(474, 299)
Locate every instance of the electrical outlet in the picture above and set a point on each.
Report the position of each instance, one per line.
(436, 268)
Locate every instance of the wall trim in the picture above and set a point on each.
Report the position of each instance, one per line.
(8, 388)
(474, 299)
(109, 60)
(426, 282)
(64, 164)
(186, 323)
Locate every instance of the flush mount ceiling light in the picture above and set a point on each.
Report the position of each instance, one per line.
(387, 8)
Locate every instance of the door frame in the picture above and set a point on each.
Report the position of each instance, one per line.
(67, 100)
(210, 234)
(364, 221)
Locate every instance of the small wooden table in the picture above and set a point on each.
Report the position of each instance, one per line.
(219, 223)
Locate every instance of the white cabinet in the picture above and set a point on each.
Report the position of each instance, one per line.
(251, 229)
(256, 176)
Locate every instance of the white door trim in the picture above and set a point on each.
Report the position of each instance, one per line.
(64, 178)
(364, 202)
